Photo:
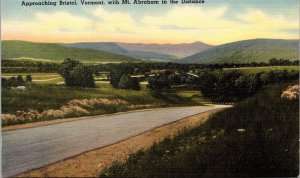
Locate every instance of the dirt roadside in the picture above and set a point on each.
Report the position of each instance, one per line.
(89, 164)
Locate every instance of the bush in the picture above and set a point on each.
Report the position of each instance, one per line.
(160, 82)
(128, 82)
(28, 78)
(117, 72)
(20, 79)
(76, 74)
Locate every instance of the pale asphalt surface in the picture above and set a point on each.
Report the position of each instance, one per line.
(26, 149)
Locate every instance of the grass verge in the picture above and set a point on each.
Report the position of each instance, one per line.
(255, 138)
(41, 97)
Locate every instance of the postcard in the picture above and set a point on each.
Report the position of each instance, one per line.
(150, 88)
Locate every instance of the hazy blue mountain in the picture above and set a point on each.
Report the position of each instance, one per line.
(116, 49)
(178, 50)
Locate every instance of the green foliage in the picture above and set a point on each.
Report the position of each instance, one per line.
(207, 82)
(28, 78)
(117, 72)
(225, 88)
(23, 65)
(76, 74)
(282, 62)
(20, 79)
(160, 82)
(255, 138)
(234, 85)
(128, 82)
(42, 97)
(12, 81)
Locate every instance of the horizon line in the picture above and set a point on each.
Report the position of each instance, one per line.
(151, 43)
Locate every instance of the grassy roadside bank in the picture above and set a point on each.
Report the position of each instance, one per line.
(256, 138)
(47, 102)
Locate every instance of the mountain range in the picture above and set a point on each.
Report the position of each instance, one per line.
(247, 51)
(178, 50)
(117, 49)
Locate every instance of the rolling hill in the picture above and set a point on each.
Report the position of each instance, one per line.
(178, 50)
(55, 52)
(257, 50)
(116, 49)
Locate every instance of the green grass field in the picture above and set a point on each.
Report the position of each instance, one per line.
(43, 97)
(256, 138)
(42, 78)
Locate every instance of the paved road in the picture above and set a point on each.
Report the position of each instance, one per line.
(31, 148)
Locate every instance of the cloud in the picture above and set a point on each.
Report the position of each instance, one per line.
(176, 25)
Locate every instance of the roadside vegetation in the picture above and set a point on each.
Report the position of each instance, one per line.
(256, 138)
(43, 97)
(85, 89)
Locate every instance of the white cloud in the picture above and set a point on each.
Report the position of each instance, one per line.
(178, 24)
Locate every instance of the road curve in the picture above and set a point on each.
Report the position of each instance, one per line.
(26, 149)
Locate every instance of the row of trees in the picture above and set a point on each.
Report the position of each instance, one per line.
(78, 75)
(15, 81)
(143, 68)
(234, 85)
(14, 66)
(10, 66)
(224, 86)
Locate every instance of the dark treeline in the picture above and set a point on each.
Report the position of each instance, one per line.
(13, 66)
(222, 86)
(142, 68)
(15, 81)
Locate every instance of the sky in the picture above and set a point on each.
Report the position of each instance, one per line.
(213, 22)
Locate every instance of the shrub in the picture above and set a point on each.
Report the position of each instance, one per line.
(160, 82)
(128, 82)
(20, 79)
(117, 72)
(28, 78)
(76, 74)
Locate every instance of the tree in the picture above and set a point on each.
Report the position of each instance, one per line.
(82, 76)
(20, 79)
(28, 78)
(128, 82)
(246, 85)
(76, 74)
(117, 72)
(225, 86)
(161, 81)
(206, 83)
